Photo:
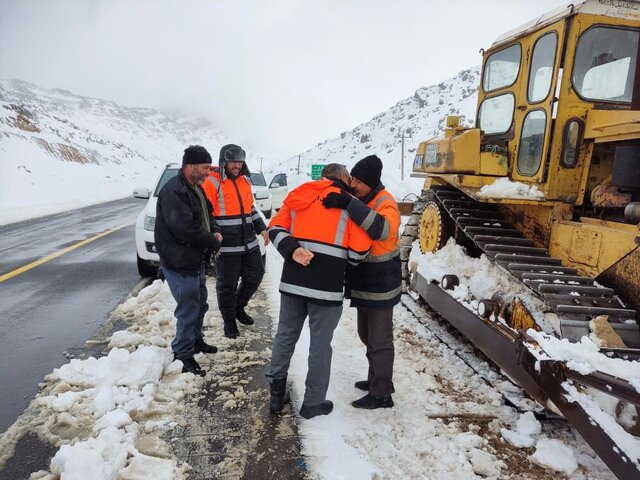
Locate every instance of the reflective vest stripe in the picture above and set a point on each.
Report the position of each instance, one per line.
(368, 221)
(342, 228)
(379, 296)
(382, 258)
(216, 184)
(310, 292)
(281, 235)
(234, 221)
(241, 248)
(380, 200)
(325, 249)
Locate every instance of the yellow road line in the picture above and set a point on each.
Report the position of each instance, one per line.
(31, 265)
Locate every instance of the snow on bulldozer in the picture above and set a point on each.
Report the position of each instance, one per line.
(542, 199)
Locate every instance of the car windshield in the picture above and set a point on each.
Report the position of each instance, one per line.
(258, 180)
(167, 175)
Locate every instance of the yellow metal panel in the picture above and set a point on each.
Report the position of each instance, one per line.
(591, 246)
(458, 152)
(493, 164)
(611, 126)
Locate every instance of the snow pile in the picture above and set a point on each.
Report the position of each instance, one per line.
(527, 428)
(556, 455)
(505, 188)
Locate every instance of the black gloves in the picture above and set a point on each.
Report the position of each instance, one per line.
(337, 200)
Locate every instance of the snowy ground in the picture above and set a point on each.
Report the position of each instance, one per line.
(108, 415)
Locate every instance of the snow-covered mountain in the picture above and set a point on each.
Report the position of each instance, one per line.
(420, 116)
(60, 151)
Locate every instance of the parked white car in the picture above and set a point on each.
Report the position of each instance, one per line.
(279, 189)
(261, 194)
(148, 260)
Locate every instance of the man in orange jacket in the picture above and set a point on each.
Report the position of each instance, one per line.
(229, 191)
(317, 244)
(375, 285)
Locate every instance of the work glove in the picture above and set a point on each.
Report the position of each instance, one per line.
(337, 200)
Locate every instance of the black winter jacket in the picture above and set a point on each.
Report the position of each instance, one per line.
(181, 240)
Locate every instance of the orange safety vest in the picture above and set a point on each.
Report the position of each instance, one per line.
(232, 202)
(330, 234)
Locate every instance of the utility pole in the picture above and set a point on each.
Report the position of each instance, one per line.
(261, 164)
(298, 164)
(402, 134)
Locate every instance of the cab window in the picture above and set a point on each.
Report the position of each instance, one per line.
(605, 64)
(501, 68)
(496, 114)
(532, 142)
(542, 62)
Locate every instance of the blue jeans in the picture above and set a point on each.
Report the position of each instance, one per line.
(190, 293)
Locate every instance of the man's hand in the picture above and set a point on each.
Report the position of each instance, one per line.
(302, 256)
(265, 235)
(337, 200)
(218, 235)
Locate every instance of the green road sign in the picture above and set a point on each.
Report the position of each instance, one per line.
(316, 171)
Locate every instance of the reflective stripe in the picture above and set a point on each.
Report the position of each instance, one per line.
(368, 221)
(311, 292)
(293, 218)
(233, 249)
(376, 295)
(357, 256)
(279, 237)
(385, 231)
(380, 200)
(255, 216)
(216, 184)
(241, 248)
(233, 221)
(342, 228)
(382, 258)
(326, 249)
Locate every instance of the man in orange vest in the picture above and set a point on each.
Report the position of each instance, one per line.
(375, 285)
(229, 191)
(317, 244)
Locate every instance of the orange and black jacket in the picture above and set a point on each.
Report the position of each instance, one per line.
(377, 281)
(330, 234)
(234, 211)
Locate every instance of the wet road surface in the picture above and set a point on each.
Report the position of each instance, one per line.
(57, 305)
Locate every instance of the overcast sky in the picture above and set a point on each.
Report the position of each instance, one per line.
(276, 75)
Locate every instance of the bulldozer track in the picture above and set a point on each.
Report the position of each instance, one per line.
(574, 298)
(512, 394)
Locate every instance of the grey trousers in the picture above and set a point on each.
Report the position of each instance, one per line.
(375, 329)
(323, 320)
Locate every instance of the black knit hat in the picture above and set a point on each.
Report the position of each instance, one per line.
(195, 154)
(368, 170)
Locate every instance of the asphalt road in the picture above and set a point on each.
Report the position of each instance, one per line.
(57, 304)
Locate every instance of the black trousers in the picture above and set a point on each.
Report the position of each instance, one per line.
(375, 329)
(249, 269)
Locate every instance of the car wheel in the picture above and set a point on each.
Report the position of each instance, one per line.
(145, 269)
(267, 214)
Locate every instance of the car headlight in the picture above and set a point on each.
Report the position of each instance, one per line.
(262, 195)
(149, 222)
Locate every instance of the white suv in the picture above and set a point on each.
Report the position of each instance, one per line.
(148, 260)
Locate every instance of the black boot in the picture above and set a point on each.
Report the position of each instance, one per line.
(189, 365)
(202, 347)
(279, 395)
(310, 411)
(370, 402)
(362, 385)
(243, 317)
(230, 328)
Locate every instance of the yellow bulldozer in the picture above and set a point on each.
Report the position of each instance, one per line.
(546, 185)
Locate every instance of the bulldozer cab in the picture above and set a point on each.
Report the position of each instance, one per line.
(558, 107)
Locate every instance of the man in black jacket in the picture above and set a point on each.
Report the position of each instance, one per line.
(185, 235)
